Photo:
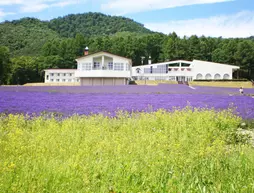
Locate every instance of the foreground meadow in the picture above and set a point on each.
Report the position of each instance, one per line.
(180, 151)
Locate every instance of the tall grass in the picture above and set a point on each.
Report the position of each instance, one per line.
(181, 151)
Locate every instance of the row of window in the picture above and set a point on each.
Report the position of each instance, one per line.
(209, 76)
(62, 80)
(168, 78)
(61, 74)
(162, 69)
(98, 66)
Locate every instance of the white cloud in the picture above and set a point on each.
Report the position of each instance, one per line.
(40, 5)
(238, 25)
(3, 14)
(121, 7)
(11, 2)
(28, 6)
(23, 2)
(64, 3)
(33, 8)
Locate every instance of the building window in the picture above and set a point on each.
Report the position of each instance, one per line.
(118, 66)
(70, 74)
(86, 66)
(58, 74)
(185, 64)
(199, 76)
(208, 76)
(217, 76)
(47, 77)
(51, 74)
(110, 65)
(138, 70)
(51, 80)
(226, 76)
(63, 80)
(127, 67)
(69, 80)
(174, 64)
(57, 80)
(96, 65)
(151, 69)
(64, 74)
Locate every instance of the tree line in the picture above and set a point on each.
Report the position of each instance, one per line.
(61, 53)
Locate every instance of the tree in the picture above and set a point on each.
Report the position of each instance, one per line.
(4, 64)
(245, 57)
(24, 69)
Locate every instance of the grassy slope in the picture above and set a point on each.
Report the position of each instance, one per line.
(183, 151)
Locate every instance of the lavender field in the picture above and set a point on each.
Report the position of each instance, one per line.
(188, 150)
(109, 99)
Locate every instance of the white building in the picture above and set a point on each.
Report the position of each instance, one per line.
(60, 76)
(103, 68)
(182, 70)
(100, 68)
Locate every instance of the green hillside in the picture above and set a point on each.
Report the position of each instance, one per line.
(94, 24)
(25, 36)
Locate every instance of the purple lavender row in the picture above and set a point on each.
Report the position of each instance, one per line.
(160, 89)
(85, 104)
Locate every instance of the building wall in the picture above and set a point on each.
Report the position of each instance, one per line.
(197, 70)
(102, 81)
(56, 76)
(124, 72)
(97, 58)
(210, 70)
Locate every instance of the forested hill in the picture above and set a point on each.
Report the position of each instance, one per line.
(94, 24)
(26, 36)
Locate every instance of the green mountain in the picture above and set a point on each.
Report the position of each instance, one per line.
(27, 36)
(94, 24)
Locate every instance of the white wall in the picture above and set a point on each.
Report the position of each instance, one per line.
(103, 73)
(58, 76)
(197, 67)
(209, 68)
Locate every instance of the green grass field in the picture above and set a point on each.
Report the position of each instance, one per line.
(181, 151)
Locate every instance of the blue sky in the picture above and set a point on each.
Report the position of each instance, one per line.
(226, 18)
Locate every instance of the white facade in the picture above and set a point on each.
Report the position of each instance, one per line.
(104, 68)
(60, 76)
(182, 70)
(101, 68)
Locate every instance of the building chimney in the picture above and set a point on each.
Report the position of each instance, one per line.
(86, 52)
(150, 60)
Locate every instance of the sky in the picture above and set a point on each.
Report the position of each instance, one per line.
(214, 18)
